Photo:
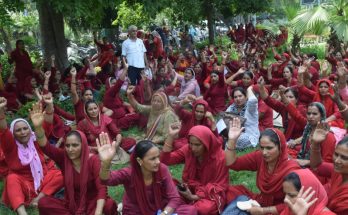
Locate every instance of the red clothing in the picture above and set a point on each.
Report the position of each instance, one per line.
(293, 130)
(276, 82)
(337, 190)
(79, 111)
(309, 180)
(82, 189)
(215, 95)
(327, 146)
(168, 193)
(24, 66)
(188, 120)
(211, 188)
(270, 184)
(113, 101)
(107, 125)
(266, 121)
(19, 187)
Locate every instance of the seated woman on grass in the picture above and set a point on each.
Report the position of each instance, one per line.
(149, 187)
(271, 164)
(84, 194)
(205, 175)
(30, 177)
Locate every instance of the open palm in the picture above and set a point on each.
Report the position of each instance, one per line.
(36, 114)
(106, 150)
(235, 129)
(320, 132)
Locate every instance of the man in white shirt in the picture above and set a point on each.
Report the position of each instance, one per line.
(134, 53)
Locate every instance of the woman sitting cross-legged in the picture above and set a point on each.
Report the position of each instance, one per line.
(84, 194)
(205, 174)
(30, 176)
(271, 164)
(148, 184)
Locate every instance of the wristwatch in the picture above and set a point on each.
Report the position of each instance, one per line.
(165, 212)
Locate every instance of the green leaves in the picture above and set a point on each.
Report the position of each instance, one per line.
(131, 15)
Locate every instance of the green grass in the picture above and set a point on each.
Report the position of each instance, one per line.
(245, 178)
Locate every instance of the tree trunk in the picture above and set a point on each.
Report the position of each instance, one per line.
(6, 39)
(52, 34)
(211, 24)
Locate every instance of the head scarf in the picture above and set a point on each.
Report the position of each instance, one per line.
(305, 153)
(137, 179)
(28, 88)
(271, 182)
(29, 155)
(95, 130)
(211, 186)
(338, 194)
(325, 100)
(74, 208)
(308, 179)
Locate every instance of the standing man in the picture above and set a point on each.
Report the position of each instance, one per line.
(134, 51)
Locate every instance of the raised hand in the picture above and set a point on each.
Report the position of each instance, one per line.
(48, 98)
(235, 129)
(106, 150)
(174, 129)
(47, 74)
(261, 82)
(320, 132)
(302, 69)
(303, 201)
(73, 71)
(336, 96)
(209, 115)
(224, 55)
(130, 89)
(3, 103)
(36, 114)
(53, 58)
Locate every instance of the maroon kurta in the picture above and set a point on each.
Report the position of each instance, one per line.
(170, 196)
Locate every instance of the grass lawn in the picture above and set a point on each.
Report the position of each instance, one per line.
(243, 177)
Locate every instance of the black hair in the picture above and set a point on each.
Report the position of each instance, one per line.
(74, 133)
(248, 73)
(84, 60)
(313, 55)
(19, 41)
(294, 179)
(293, 91)
(88, 103)
(344, 141)
(215, 72)
(291, 69)
(86, 89)
(240, 89)
(272, 135)
(142, 148)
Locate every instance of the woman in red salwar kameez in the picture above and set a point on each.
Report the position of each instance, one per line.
(29, 176)
(84, 194)
(271, 164)
(202, 157)
(95, 122)
(149, 187)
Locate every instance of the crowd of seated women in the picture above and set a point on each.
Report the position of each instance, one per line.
(301, 164)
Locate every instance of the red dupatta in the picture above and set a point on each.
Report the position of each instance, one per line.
(137, 179)
(308, 179)
(211, 181)
(338, 194)
(74, 208)
(325, 100)
(271, 182)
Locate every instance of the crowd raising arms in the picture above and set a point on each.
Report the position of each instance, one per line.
(178, 107)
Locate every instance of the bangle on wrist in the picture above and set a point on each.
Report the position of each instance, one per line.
(39, 136)
(230, 149)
